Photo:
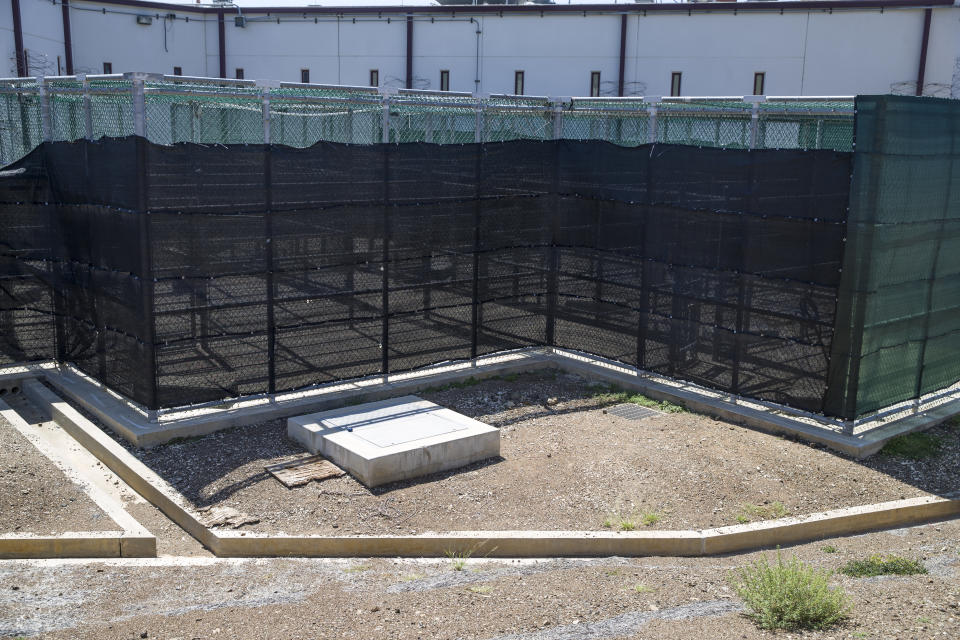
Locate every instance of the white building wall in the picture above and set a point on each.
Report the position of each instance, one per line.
(801, 53)
(556, 53)
(42, 37)
(717, 54)
(943, 56)
(447, 44)
(116, 38)
(871, 52)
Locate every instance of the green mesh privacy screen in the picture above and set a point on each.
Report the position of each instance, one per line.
(898, 320)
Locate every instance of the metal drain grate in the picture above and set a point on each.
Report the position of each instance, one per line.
(633, 411)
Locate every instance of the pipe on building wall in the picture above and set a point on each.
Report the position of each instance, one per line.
(623, 53)
(925, 41)
(18, 39)
(409, 51)
(222, 44)
(67, 39)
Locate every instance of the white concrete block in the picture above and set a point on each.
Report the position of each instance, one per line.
(395, 439)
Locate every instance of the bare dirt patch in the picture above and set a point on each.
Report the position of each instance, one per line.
(566, 464)
(652, 598)
(36, 497)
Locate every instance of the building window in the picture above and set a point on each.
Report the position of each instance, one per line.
(305, 76)
(675, 83)
(518, 83)
(758, 79)
(374, 78)
(108, 67)
(178, 71)
(594, 83)
(239, 73)
(444, 80)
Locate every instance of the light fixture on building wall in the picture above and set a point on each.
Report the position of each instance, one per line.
(145, 20)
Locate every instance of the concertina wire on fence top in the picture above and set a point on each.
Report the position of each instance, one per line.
(171, 109)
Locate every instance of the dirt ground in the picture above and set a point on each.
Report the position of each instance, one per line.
(36, 497)
(565, 464)
(562, 599)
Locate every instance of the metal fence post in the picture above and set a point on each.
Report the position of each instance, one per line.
(385, 266)
(139, 108)
(87, 110)
(754, 121)
(557, 118)
(475, 317)
(385, 121)
(266, 116)
(46, 124)
(268, 259)
(652, 123)
(478, 122)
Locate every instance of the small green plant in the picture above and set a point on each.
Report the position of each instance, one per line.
(777, 510)
(912, 446)
(412, 577)
(750, 511)
(859, 634)
(357, 568)
(460, 384)
(881, 565)
(829, 549)
(790, 595)
(641, 588)
(509, 377)
(631, 522)
(481, 589)
(924, 620)
(615, 395)
(458, 559)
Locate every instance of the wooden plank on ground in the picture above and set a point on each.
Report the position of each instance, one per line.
(294, 473)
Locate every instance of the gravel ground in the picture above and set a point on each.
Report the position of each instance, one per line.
(36, 497)
(687, 598)
(566, 464)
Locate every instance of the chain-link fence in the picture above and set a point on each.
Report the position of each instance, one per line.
(172, 109)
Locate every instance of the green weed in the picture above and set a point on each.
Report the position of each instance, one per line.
(761, 512)
(881, 565)
(357, 568)
(481, 589)
(458, 559)
(615, 395)
(790, 595)
(829, 549)
(913, 446)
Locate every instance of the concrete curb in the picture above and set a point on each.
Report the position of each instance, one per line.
(785, 531)
(103, 544)
(139, 430)
(132, 541)
(136, 474)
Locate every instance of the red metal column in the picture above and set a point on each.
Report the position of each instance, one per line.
(921, 71)
(222, 38)
(623, 52)
(67, 39)
(18, 39)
